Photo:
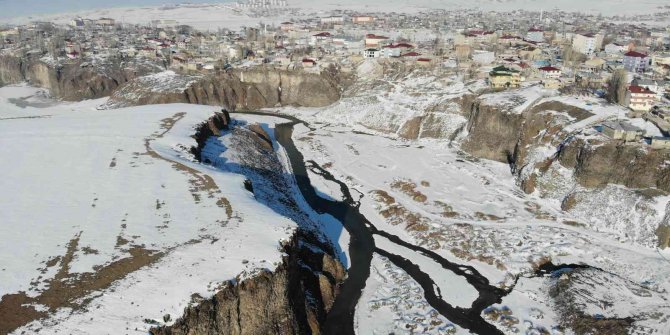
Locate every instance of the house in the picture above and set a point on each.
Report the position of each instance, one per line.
(587, 43)
(504, 77)
(634, 61)
(550, 72)
(395, 50)
(332, 20)
(660, 142)
(620, 130)
(641, 99)
(660, 59)
(412, 55)
(476, 36)
(286, 26)
(308, 62)
(535, 35)
(424, 61)
(77, 23)
(615, 49)
(652, 85)
(375, 41)
(364, 19)
(594, 65)
(323, 37)
(371, 53)
(106, 21)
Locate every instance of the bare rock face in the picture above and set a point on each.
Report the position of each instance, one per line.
(492, 133)
(72, 81)
(496, 134)
(240, 90)
(268, 303)
(11, 70)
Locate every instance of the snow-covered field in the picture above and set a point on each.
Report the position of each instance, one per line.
(214, 15)
(107, 222)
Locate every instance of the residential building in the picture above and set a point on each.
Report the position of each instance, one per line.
(620, 130)
(615, 49)
(634, 61)
(375, 41)
(535, 35)
(641, 99)
(587, 43)
(391, 50)
(362, 19)
(550, 72)
(371, 53)
(652, 85)
(504, 77)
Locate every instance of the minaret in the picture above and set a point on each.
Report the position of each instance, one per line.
(541, 14)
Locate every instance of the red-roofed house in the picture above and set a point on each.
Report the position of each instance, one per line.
(634, 61)
(375, 41)
(395, 50)
(324, 37)
(308, 62)
(641, 99)
(424, 61)
(411, 55)
(550, 72)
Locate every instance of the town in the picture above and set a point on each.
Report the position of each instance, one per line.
(590, 55)
(342, 167)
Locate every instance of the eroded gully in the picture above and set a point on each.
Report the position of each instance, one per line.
(340, 319)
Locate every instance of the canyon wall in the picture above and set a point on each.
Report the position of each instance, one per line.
(239, 90)
(72, 81)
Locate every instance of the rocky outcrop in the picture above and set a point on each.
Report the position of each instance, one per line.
(241, 90)
(492, 133)
(515, 138)
(11, 70)
(72, 81)
(293, 299)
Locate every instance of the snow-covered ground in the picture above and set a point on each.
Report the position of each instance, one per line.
(214, 15)
(469, 211)
(109, 205)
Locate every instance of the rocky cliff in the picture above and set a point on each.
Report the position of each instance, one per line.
(554, 151)
(295, 297)
(237, 90)
(74, 80)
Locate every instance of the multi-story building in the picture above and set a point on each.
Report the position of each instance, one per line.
(375, 41)
(587, 44)
(634, 61)
(504, 77)
(372, 53)
(535, 35)
(641, 99)
(615, 48)
(362, 19)
(550, 72)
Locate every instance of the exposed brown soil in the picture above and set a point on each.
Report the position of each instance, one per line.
(409, 188)
(65, 289)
